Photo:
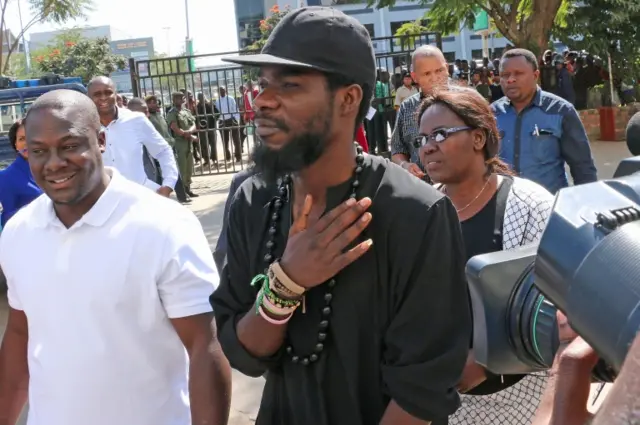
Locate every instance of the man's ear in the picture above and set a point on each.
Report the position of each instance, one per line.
(102, 141)
(351, 98)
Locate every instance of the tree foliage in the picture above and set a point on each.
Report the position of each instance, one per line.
(266, 27)
(616, 31)
(75, 56)
(53, 11)
(525, 23)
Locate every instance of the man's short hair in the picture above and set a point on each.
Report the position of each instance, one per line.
(522, 53)
(177, 94)
(136, 102)
(426, 51)
(151, 97)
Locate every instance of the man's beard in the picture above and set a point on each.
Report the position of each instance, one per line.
(300, 152)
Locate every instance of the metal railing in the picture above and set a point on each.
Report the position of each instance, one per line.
(225, 140)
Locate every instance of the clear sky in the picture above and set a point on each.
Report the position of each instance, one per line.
(211, 22)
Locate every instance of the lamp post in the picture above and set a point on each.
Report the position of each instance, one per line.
(168, 31)
(24, 42)
(188, 41)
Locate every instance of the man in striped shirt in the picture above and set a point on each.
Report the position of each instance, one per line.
(429, 69)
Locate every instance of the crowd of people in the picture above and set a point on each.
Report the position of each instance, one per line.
(338, 276)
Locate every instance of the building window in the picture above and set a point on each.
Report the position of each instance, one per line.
(498, 52)
(450, 56)
(249, 13)
(476, 54)
(475, 37)
(371, 29)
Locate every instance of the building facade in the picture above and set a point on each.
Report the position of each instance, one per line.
(39, 40)
(121, 44)
(137, 48)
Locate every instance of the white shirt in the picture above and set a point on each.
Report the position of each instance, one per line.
(228, 108)
(126, 136)
(102, 350)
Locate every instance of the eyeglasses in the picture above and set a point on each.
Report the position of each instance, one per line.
(438, 136)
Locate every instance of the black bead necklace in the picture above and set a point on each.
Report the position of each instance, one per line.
(323, 326)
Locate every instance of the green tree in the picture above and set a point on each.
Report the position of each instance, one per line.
(525, 23)
(616, 31)
(266, 27)
(79, 57)
(53, 11)
(410, 32)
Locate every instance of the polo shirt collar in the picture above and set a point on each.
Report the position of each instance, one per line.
(97, 216)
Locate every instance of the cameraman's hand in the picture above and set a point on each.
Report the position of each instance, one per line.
(314, 251)
(565, 399)
(473, 374)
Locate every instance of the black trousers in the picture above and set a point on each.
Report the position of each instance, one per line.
(234, 133)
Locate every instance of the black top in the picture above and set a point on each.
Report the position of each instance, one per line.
(477, 231)
(482, 237)
(401, 322)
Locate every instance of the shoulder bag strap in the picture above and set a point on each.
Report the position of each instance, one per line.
(501, 207)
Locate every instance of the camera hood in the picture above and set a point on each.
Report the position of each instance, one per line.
(588, 263)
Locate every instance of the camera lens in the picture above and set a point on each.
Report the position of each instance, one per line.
(532, 323)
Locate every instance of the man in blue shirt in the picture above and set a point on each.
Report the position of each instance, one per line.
(540, 131)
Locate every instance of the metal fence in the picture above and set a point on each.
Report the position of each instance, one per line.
(225, 135)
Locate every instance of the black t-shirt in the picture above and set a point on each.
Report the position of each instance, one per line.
(477, 231)
(400, 322)
(480, 237)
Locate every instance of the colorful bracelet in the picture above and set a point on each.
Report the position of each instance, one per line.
(272, 301)
(278, 300)
(277, 287)
(266, 317)
(282, 277)
(273, 309)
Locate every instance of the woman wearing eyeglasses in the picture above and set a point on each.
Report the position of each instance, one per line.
(458, 145)
(17, 187)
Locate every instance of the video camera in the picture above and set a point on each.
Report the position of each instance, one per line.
(587, 265)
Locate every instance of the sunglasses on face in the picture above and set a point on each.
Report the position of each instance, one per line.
(437, 136)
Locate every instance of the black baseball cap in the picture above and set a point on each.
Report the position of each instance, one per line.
(319, 38)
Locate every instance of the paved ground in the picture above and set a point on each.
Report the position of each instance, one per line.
(209, 206)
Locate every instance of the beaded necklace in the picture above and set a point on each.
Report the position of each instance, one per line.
(323, 326)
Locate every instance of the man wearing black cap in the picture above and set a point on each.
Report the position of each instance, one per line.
(344, 280)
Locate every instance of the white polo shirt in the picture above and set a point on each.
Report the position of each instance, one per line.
(99, 297)
(125, 137)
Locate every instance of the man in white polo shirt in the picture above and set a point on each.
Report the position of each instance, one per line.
(126, 133)
(112, 325)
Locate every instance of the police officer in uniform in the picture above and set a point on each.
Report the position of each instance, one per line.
(183, 125)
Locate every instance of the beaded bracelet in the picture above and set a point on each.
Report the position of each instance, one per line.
(274, 301)
(278, 300)
(273, 309)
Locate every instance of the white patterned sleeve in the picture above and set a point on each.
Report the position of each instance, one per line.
(541, 204)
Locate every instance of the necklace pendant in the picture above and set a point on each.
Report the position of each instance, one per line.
(304, 304)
